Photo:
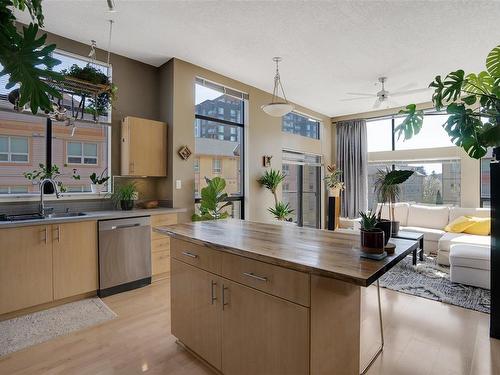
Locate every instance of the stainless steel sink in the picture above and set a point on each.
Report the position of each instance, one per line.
(64, 214)
(37, 216)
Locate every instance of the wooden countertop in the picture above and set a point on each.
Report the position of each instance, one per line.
(319, 252)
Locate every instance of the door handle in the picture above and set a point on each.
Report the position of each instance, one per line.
(224, 288)
(58, 230)
(253, 276)
(214, 297)
(188, 254)
(45, 235)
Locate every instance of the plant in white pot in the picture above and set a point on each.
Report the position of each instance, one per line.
(98, 181)
(333, 181)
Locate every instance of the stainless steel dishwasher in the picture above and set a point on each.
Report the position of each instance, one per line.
(124, 254)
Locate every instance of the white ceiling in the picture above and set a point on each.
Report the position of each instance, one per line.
(329, 48)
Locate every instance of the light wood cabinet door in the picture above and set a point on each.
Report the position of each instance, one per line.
(75, 258)
(25, 267)
(196, 310)
(144, 147)
(263, 334)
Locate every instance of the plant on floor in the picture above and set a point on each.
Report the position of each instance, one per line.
(124, 196)
(53, 172)
(25, 57)
(333, 180)
(473, 104)
(281, 211)
(213, 201)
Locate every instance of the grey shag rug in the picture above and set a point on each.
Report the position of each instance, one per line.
(27, 330)
(430, 280)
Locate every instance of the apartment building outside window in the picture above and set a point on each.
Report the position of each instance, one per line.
(14, 149)
(219, 140)
(298, 124)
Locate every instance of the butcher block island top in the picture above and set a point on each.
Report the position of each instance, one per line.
(318, 252)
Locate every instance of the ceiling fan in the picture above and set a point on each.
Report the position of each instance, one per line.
(384, 96)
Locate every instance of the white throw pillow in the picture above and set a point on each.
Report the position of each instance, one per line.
(428, 216)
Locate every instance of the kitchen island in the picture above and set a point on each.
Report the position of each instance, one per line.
(254, 298)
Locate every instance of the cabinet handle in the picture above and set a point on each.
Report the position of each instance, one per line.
(45, 235)
(224, 296)
(189, 254)
(214, 298)
(253, 276)
(58, 229)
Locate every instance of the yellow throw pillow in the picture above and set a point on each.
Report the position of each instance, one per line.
(481, 226)
(471, 225)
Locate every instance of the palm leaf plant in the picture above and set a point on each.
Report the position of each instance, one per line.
(271, 180)
(472, 102)
(281, 211)
(213, 202)
(387, 187)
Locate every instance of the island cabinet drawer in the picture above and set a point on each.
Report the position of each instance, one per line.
(196, 255)
(279, 281)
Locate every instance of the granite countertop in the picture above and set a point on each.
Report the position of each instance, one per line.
(93, 215)
(320, 252)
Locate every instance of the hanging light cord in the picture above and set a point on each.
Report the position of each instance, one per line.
(109, 46)
(277, 83)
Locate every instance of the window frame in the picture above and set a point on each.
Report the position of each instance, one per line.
(244, 97)
(9, 152)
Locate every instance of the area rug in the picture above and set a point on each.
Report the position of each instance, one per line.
(24, 331)
(430, 280)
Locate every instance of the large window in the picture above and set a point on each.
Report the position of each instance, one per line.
(301, 125)
(219, 131)
(433, 182)
(82, 149)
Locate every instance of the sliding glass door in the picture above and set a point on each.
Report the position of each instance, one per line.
(302, 188)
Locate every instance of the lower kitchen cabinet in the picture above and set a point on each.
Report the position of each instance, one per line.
(25, 267)
(263, 334)
(75, 258)
(196, 313)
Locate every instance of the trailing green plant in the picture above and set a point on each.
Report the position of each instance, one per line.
(52, 173)
(99, 179)
(213, 201)
(27, 58)
(271, 180)
(387, 187)
(473, 104)
(368, 220)
(281, 211)
(126, 192)
(333, 178)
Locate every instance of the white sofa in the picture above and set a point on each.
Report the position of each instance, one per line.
(471, 265)
(431, 221)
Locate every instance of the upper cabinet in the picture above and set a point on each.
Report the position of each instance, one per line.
(144, 147)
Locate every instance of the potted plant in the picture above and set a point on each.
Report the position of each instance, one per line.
(333, 182)
(372, 238)
(213, 201)
(124, 195)
(281, 211)
(387, 188)
(98, 181)
(52, 173)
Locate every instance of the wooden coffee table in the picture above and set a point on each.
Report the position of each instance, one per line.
(415, 236)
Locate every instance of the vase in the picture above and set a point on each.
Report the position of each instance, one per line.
(334, 192)
(372, 241)
(96, 188)
(386, 227)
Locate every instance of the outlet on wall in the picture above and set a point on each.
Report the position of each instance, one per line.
(178, 184)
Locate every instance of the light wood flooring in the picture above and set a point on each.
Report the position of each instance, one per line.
(422, 337)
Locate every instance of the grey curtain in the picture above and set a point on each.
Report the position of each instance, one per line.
(352, 159)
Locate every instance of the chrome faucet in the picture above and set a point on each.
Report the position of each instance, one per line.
(41, 208)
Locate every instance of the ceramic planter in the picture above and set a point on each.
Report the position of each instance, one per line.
(395, 228)
(386, 227)
(372, 241)
(126, 205)
(334, 192)
(97, 188)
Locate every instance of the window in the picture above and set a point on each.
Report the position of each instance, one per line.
(295, 123)
(379, 135)
(485, 193)
(14, 149)
(433, 182)
(216, 166)
(82, 153)
(13, 189)
(218, 129)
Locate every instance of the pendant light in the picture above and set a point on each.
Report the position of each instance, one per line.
(278, 107)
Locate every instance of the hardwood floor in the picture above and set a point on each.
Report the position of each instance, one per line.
(421, 337)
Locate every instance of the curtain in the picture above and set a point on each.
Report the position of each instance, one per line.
(352, 159)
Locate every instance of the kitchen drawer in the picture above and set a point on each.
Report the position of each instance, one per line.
(163, 219)
(196, 255)
(160, 262)
(282, 282)
(160, 244)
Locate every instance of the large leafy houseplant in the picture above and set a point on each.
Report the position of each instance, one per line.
(271, 179)
(25, 57)
(213, 201)
(472, 102)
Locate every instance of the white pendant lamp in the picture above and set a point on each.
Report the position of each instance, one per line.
(278, 107)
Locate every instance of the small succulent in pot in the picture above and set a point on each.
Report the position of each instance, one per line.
(372, 238)
(98, 181)
(124, 195)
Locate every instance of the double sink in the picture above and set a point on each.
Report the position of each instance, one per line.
(37, 216)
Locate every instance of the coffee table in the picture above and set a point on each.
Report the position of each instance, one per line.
(415, 236)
